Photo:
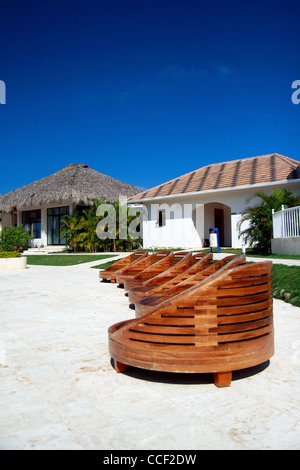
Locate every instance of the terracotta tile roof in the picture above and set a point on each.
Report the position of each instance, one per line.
(244, 172)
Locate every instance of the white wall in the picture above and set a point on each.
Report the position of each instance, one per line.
(179, 230)
(189, 219)
(192, 216)
(286, 246)
(236, 240)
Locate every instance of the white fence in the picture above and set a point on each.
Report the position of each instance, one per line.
(286, 223)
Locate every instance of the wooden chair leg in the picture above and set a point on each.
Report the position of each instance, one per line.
(119, 367)
(222, 379)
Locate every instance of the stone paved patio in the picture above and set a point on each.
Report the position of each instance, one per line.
(58, 389)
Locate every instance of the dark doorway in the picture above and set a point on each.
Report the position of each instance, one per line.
(219, 224)
(54, 223)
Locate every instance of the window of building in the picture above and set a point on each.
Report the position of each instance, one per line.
(31, 221)
(161, 218)
(55, 217)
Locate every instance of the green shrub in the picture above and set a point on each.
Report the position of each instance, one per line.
(14, 238)
(9, 254)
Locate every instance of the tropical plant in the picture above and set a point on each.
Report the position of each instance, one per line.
(14, 238)
(259, 232)
(87, 237)
(71, 228)
(105, 230)
(114, 228)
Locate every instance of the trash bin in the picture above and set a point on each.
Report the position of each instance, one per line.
(214, 239)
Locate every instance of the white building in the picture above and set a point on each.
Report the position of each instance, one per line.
(181, 212)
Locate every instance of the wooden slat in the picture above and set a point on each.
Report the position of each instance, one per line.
(239, 309)
(222, 320)
(187, 320)
(203, 329)
(243, 326)
(150, 338)
(175, 340)
(244, 335)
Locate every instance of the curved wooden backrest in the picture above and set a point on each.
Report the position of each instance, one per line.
(223, 264)
(198, 263)
(133, 269)
(164, 264)
(123, 262)
(171, 264)
(224, 323)
(180, 264)
(172, 276)
(166, 292)
(231, 307)
(127, 260)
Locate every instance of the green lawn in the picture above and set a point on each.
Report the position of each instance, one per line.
(252, 253)
(64, 260)
(286, 279)
(103, 265)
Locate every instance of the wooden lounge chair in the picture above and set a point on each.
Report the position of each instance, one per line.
(165, 292)
(222, 324)
(155, 269)
(132, 270)
(190, 264)
(111, 271)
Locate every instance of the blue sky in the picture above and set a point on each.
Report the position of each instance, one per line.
(145, 90)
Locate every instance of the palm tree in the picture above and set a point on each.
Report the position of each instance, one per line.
(88, 236)
(125, 233)
(83, 231)
(260, 229)
(70, 229)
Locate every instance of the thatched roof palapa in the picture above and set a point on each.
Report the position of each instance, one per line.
(77, 183)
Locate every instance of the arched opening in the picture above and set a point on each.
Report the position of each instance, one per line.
(218, 215)
(213, 215)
